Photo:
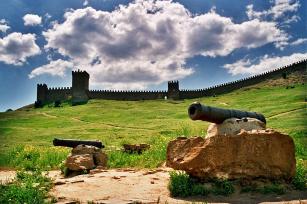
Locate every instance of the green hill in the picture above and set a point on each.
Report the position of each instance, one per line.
(26, 135)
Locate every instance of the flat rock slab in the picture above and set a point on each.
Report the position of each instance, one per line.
(141, 186)
(116, 186)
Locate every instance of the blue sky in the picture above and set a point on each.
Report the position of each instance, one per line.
(143, 44)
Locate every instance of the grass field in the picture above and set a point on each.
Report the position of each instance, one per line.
(26, 135)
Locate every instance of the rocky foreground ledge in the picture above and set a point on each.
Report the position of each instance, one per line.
(246, 150)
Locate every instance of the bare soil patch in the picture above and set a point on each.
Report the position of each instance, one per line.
(141, 186)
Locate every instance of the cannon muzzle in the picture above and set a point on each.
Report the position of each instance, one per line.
(74, 143)
(197, 111)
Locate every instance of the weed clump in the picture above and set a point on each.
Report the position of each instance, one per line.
(182, 185)
(31, 158)
(223, 187)
(28, 187)
(300, 179)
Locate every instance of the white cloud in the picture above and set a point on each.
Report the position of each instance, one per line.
(299, 41)
(265, 63)
(283, 6)
(32, 20)
(17, 47)
(85, 3)
(3, 26)
(277, 11)
(148, 42)
(54, 68)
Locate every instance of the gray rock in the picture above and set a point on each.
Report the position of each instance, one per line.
(233, 126)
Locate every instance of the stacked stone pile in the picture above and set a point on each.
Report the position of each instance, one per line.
(85, 157)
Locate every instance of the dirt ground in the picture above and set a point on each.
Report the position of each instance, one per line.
(140, 186)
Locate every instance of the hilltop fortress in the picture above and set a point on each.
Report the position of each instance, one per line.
(80, 93)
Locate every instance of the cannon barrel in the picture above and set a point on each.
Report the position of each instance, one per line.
(73, 143)
(197, 111)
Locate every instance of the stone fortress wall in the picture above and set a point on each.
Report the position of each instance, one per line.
(79, 92)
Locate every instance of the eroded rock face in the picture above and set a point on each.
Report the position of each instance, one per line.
(233, 126)
(80, 162)
(100, 159)
(249, 154)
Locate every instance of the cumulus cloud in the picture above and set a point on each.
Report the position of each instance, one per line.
(3, 26)
(54, 68)
(279, 9)
(263, 64)
(17, 47)
(299, 41)
(32, 20)
(148, 42)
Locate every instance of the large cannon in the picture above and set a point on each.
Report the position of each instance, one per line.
(74, 143)
(197, 111)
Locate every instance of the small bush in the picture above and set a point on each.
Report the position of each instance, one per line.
(223, 187)
(57, 104)
(267, 189)
(273, 188)
(180, 184)
(199, 189)
(38, 104)
(300, 179)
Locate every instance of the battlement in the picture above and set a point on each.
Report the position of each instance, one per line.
(79, 92)
(80, 72)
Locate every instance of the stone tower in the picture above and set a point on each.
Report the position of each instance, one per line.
(80, 87)
(173, 90)
(42, 93)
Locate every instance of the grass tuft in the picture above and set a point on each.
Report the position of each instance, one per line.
(181, 185)
(28, 187)
(300, 179)
(30, 158)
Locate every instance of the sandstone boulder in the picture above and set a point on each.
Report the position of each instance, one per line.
(100, 159)
(80, 162)
(249, 154)
(85, 157)
(233, 126)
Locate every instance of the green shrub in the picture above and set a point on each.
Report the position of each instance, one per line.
(180, 184)
(267, 189)
(273, 188)
(223, 187)
(199, 189)
(300, 179)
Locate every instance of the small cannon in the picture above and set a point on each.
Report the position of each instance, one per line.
(74, 143)
(197, 111)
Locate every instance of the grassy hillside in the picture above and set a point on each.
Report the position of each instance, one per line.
(26, 135)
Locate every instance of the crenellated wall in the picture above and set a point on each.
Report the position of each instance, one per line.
(126, 95)
(234, 85)
(80, 92)
(59, 93)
